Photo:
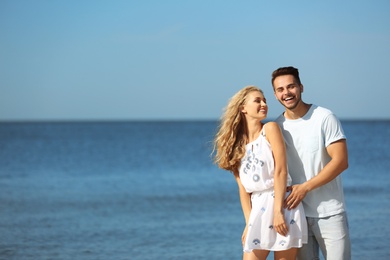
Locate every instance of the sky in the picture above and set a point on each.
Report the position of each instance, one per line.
(183, 60)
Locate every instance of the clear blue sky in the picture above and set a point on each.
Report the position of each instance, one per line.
(152, 59)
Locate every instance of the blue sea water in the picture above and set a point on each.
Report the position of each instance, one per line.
(149, 190)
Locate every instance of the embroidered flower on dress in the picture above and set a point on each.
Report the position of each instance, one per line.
(248, 166)
(282, 242)
(256, 241)
(261, 163)
(249, 159)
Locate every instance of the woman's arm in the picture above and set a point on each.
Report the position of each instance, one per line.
(245, 198)
(246, 205)
(275, 138)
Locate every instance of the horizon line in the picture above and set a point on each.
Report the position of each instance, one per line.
(105, 120)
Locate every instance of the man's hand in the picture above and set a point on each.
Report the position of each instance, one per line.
(298, 193)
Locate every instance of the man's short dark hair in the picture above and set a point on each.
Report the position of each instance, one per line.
(286, 71)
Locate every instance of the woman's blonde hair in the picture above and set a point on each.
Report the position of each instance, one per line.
(232, 136)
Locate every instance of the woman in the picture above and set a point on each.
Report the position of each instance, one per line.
(255, 153)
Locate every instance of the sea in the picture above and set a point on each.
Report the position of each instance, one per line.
(149, 190)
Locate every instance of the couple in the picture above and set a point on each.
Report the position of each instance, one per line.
(292, 216)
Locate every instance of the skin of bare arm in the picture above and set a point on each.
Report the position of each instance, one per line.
(339, 153)
(275, 138)
(246, 205)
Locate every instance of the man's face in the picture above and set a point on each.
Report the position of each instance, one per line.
(287, 91)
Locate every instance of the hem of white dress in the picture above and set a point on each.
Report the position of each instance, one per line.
(297, 244)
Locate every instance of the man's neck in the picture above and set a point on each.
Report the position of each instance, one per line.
(298, 112)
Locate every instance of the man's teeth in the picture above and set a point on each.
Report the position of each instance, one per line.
(287, 99)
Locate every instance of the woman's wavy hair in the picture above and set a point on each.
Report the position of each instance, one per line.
(232, 134)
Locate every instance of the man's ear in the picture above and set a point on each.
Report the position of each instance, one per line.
(301, 88)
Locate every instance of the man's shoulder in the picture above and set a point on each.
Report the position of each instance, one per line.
(280, 119)
(321, 111)
(325, 118)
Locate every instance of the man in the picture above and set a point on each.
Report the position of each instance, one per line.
(317, 154)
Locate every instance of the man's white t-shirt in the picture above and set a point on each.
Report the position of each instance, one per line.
(306, 141)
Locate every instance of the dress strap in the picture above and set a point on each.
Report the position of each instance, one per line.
(263, 131)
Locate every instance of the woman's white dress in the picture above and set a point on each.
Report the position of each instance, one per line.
(257, 177)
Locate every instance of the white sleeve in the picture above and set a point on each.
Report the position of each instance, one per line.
(332, 129)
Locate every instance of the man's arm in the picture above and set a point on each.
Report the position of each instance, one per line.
(339, 153)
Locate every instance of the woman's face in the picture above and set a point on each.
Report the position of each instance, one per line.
(255, 106)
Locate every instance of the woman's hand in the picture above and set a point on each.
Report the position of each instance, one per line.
(280, 224)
